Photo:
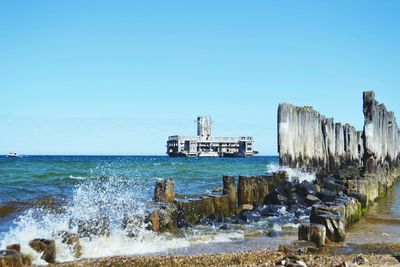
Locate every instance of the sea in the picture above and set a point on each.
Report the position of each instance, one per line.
(41, 195)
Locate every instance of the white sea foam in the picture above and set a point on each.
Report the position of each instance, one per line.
(76, 177)
(292, 173)
(114, 198)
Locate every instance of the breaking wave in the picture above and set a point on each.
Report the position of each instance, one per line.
(114, 198)
(292, 173)
(122, 195)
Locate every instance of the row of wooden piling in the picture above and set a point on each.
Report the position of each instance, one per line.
(172, 212)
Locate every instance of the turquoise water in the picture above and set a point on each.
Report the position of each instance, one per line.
(41, 195)
(32, 181)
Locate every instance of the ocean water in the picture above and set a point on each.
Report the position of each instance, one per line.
(41, 195)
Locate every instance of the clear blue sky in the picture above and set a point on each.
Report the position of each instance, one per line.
(118, 77)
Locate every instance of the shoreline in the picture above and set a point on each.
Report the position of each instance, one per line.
(373, 255)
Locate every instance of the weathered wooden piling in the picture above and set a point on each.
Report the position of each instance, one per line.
(312, 232)
(333, 218)
(245, 190)
(164, 219)
(221, 205)
(164, 191)
(229, 189)
(194, 209)
(255, 189)
(335, 227)
(10, 258)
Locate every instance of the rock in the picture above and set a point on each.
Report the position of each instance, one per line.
(164, 191)
(229, 188)
(284, 188)
(305, 188)
(185, 224)
(312, 200)
(73, 241)
(312, 232)
(297, 247)
(296, 201)
(272, 210)
(46, 247)
(206, 221)
(326, 195)
(225, 226)
(93, 227)
(360, 260)
(396, 255)
(10, 258)
(292, 261)
(249, 216)
(277, 199)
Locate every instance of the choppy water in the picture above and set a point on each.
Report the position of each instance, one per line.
(41, 195)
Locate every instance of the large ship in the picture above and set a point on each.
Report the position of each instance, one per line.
(205, 145)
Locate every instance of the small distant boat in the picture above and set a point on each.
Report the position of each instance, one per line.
(12, 155)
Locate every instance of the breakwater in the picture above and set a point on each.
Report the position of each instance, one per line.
(307, 139)
(355, 167)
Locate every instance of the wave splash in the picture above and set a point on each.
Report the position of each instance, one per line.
(103, 196)
(292, 173)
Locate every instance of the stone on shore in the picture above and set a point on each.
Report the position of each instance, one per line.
(46, 247)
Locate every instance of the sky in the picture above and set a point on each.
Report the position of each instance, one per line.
(119, 77)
